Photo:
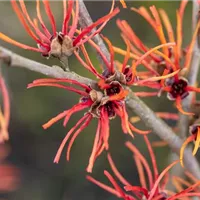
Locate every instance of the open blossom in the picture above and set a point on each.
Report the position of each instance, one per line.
(99, 105)
(152, 186)
(194, 132)
(52, 42)
(170, 59)
(4, 112)
(104, 102)
(115, 72)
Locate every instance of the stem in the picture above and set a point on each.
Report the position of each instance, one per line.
(160, 128)
(15, 60)
(183, 124)
(84, 21)
(193, 73)
(134, 103)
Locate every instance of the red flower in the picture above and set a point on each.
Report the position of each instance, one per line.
(54, 43)
(154, 189)
(167, 61)
(101, 106)
(115, 72)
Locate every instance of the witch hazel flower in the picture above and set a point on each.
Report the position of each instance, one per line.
(104, 102)
(55, 43)
(102, 106)
(121, 74)
(170, 59)
(152, 186)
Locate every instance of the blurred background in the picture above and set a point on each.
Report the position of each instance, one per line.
(32, 149)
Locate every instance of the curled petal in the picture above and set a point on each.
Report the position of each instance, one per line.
(152, 50)
(94, 149)
(67, 15)
(157, 78)
(18, 44)
(145, 94)
(54, 120)
(120, 96)
(81, 122)
(50, 16)
(116, 171)
(58, 80)
(187, 141)
(123, 3)
(143, 161)
(114, 183)
(167, 24)
(133, 128)
(103, 186)
(155, 187)
(197, 142)
(137, 188)
(83, 126)
(179, 107)
(111, 54)
(98, 22)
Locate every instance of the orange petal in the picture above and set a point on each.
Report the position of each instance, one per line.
(111, 54)
(116, 171)
(155, 187)
(103, 186)
(157, 78)
(18, 44)
(197, 142)
(167, 24)
(123, 3)
(50, 16)
(187, 141)
(152, 50)
(179, 107)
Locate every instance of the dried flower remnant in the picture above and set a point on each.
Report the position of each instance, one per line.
(151, 189)
(101, 106)
(53, 43)
(170, 59)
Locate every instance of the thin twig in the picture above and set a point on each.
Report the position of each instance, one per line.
(84, 21)
(134, 103)
(160, 128)
(183, 124)
(192, 74)
(15, 60)
(137, 106)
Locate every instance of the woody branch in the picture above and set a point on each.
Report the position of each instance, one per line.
(157, 125)
(192, 74)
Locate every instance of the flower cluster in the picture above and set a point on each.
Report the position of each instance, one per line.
(170, 59)
(165, 70)
(55, 43)
(154, 186)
